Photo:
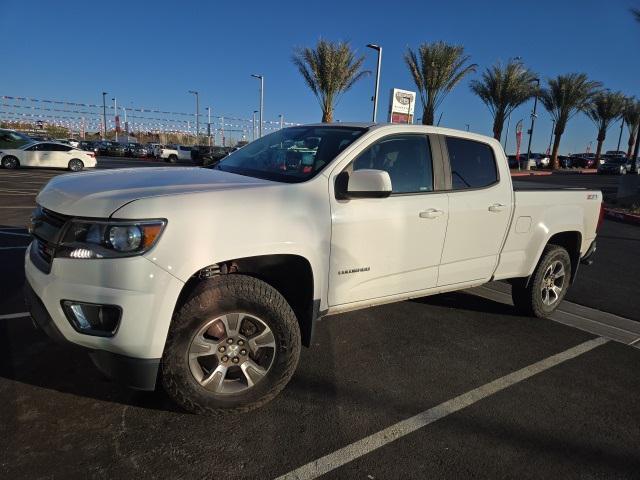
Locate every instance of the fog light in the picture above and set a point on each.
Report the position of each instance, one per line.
(92, 318)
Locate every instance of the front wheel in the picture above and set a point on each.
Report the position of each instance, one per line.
(75, 165)
(232, 346)
(547, 286)
(173, 159)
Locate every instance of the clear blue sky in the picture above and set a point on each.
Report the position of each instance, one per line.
(151, 53)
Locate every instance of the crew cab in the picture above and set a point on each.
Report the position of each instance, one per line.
(211, 279)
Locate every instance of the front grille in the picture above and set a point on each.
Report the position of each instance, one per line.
(46, 228)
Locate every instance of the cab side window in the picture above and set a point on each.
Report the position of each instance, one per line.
(407, 159)
(473, 164)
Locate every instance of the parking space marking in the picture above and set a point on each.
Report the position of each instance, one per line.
(15, 315)
(15, 233)
(20, 206)
(22, 247)
(390, 434)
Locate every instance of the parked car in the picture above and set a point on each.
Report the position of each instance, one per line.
(211, 279)
(175, 153)
(87, 145)
(564, 161)
(115, 149)
(616, 153)
(583, 160)
(154, 149)
(614, 165)
(47, 155)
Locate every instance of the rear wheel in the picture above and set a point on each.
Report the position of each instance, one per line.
(173, 158)
(232, 346)
(547, 286)
(75, 165)
(10, 162)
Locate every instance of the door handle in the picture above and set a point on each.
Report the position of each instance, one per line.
(431, 213)
(497, 207)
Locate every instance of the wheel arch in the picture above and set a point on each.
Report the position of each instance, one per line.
(290, 274)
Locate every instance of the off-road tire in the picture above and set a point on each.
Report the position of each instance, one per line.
(527, 299)
(214, 297)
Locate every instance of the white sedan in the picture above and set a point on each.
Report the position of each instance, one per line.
(47, 155)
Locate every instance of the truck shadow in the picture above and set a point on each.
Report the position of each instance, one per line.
(469, 302)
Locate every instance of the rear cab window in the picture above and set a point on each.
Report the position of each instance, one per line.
(473, 164)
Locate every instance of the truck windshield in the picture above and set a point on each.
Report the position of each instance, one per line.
(292, 154)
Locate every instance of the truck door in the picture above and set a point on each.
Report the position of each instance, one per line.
(386, 246)
(479, 211)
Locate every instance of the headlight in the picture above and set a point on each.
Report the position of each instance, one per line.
(108, 239)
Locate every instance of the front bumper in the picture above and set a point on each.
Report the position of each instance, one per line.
(146, 293)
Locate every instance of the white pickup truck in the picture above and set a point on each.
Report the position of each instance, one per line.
(175, 153)
(211, 279)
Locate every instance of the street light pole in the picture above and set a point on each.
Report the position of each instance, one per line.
(115, 116)
(197, 113)
(377, 48)
(104, 116)
(254, 123)
(261, 78)
(533, 121)
(209, 124)
(281, 121)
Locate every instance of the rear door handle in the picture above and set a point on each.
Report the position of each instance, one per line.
(497, 207)
(431, 213)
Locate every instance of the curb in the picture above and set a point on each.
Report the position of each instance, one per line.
(622, 216)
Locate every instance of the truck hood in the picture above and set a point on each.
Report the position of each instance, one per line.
(100, 193)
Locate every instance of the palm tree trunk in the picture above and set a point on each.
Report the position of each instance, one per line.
(630, 144)
(498, 123)
(427, 116)
(599, 150)
(327, 115)
(554, 153)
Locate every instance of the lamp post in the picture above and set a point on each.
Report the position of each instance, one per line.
(533, 121)
(261, 78)
(104, 116)
(115, 116)
(377, 48)
(281, 121)
(254, 123)
(209, 124)
(197, 113)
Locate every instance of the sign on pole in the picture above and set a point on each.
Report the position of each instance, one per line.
(401, 106)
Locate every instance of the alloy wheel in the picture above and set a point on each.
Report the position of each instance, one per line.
(231, 353)
(553, 282)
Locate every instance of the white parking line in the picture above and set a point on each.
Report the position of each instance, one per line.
(21, 206)
(14, 248)
(16, 234)
(379, 439)
(15, 315)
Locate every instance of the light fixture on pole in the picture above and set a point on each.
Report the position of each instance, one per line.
(533, 120)
(197, 113)
(377, 48)
(261, 78)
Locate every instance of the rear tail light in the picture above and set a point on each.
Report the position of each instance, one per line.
(600, 217)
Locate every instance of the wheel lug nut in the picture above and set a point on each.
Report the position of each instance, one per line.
(222, 349)
(243, 352)
(230, 341)
(235, 360)
(240, 342)
(225, 358)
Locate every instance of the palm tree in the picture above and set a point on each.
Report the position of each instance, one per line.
(330, 69)
(605, 108)
(436, 68)
(631, 116)
(503, 89)
(565, 96)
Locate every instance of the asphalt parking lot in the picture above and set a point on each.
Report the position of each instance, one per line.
(450, 386)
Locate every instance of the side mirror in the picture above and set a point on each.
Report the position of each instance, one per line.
(366, 183)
